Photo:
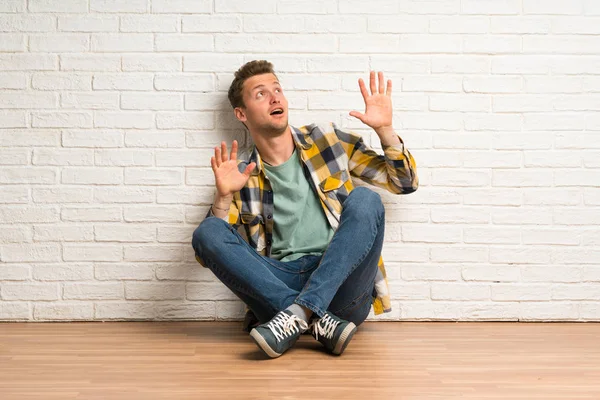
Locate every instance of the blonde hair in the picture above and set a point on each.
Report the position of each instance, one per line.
(247, 71)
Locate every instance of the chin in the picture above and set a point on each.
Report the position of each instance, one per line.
(275, 129)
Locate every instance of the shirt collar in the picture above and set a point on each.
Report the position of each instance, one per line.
(301, 140)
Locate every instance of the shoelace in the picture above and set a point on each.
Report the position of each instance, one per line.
(284, 325)
(324, 327)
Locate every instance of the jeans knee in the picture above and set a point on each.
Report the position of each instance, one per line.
(205, 233)
(365, 203)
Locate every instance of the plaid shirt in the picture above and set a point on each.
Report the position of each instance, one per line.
(330, 157)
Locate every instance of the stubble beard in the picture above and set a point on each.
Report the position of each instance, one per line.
(272, 129)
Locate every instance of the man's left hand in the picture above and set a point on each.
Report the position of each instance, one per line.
(378, 106)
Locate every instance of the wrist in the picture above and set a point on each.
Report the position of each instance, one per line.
(223, 202)
(215, 207)
(387, 135)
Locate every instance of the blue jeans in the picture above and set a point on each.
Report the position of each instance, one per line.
(340, 281)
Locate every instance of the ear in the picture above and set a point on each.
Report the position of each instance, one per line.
(240, 114)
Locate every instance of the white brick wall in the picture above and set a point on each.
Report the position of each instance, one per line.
(109, 110)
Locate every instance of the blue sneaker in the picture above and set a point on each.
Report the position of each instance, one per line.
(333, 332)
(279, 334)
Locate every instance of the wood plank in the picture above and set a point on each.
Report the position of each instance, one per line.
(216, 360)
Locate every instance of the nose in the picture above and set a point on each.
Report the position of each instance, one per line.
(274, 99)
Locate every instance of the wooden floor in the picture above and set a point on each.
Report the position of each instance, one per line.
(385, 360)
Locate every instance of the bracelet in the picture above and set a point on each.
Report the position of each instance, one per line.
(222, 209)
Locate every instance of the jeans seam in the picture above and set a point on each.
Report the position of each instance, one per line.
(290, 271)
(350, 313)
(348, 308)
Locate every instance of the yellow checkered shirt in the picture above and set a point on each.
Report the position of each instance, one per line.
(331, 157)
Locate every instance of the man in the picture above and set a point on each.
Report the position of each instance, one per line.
(287, 231)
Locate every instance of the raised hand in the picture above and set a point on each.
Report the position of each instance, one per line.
(378, 104)
(228, 178)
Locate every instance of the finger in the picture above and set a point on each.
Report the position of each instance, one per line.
(363, 89)
(381, 82)
(358, 115)
(218, 156)
(372, 79)
(213, 164)
(249, 169)
(234, 149)
(388, 90)
(224, 152)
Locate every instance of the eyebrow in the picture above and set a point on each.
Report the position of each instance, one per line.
(262, 85)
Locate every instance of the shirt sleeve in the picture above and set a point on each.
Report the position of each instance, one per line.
(395, 170)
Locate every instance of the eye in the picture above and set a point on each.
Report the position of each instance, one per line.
(259, 94)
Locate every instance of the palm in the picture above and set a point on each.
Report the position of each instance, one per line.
(378, 111)
(378, 104)
(228, 178)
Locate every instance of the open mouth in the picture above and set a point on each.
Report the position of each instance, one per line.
(277, 111)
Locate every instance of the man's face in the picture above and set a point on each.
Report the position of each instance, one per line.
(266, 108)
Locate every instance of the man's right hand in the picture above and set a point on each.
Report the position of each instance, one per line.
(228, 179)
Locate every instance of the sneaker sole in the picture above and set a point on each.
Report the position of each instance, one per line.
(263, 345)
(345, 338)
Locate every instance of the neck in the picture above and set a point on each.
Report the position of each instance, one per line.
(275, 150)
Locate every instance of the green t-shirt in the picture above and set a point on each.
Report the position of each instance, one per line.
(299, 224)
